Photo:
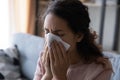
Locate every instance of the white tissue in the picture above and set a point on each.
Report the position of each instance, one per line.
(50, 37)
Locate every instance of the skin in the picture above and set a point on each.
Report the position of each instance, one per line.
(56, 59)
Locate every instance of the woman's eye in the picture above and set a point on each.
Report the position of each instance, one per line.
(60, 35)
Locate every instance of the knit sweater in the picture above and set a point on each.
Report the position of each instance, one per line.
(79, 71)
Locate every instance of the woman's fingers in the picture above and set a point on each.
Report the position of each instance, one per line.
(58, 53)
(47, 59)
(47, 63)
(58, 63)
(45, 54)
(51, 56)
(62, 48)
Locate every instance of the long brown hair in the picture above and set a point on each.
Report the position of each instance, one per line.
(77, 16)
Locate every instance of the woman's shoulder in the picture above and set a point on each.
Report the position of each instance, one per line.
(87, 68)
(99, 63)
(91, 70)
(105, 62)
(102, 64)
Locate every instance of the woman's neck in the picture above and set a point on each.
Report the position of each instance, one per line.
(75, 58)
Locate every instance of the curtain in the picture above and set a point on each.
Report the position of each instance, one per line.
(22, 16)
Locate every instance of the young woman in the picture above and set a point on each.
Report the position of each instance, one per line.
(69, 19)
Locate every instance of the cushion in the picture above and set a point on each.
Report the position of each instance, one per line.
(29, 47)
(9, 64)
(114, 58)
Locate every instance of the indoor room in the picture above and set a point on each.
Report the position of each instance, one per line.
(83, 34)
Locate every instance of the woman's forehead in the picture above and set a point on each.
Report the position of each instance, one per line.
(54, 22)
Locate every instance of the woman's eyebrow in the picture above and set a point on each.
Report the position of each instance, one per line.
(54, 30)
(57, 30)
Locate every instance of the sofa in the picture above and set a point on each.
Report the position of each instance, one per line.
(29, 47)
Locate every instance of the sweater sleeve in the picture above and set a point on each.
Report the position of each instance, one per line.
(39, 69)
(104, 75)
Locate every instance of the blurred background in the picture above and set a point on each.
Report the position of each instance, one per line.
(23, 16)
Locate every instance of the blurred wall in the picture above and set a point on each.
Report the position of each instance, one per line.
(119, 40)
(95, 15)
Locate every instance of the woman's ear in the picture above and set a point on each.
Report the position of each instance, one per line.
(80, 37)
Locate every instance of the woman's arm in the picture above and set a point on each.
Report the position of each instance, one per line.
(40, 76)
(40, 71)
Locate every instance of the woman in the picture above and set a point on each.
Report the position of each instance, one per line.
(69, 19)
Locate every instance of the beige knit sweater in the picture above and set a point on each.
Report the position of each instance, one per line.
(80, 72)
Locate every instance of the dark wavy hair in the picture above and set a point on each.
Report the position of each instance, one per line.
(77, 16)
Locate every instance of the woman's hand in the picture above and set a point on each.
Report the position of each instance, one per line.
(46, 65)
(59, 61)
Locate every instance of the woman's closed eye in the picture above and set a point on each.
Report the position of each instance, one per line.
(59, 34)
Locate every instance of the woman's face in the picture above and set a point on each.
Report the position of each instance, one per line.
(58, 26)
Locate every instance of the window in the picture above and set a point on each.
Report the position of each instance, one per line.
(4, 23)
